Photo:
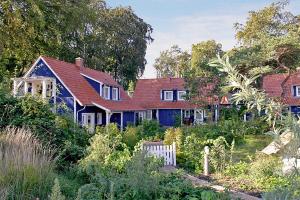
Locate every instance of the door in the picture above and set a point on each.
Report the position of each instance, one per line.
(198, 117)
(88, 121)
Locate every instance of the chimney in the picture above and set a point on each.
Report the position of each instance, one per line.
(79, 63)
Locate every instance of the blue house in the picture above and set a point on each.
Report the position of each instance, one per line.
(164, 100)
(92, 97)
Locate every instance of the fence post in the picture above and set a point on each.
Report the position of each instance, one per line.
(206, 161)
(174, 153)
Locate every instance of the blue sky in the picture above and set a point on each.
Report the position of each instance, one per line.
(185, 22)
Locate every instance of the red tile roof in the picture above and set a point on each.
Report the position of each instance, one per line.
(148, 93)
(71, 76)
(272, 85)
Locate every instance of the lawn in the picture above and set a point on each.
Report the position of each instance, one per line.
(250, 145)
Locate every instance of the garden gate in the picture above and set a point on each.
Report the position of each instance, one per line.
(159, 150)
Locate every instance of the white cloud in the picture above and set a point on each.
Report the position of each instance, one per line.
(187, 30)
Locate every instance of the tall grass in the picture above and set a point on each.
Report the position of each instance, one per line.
(25, 165)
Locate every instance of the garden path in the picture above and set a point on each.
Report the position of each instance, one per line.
(203, 183)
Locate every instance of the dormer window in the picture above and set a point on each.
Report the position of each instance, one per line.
(106, 92)
(181, 95)
(115, 94)
(168, 95)
(297, 91)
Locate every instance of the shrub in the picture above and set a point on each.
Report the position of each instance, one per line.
(59, 131)
(174, 135)
(131, 136)
(56, 193)
(105, 151)
(25, 167)
(150, 129)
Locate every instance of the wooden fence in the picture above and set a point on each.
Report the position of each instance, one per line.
(159, 150)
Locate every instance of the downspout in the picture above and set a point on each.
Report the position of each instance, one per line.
(78, 113)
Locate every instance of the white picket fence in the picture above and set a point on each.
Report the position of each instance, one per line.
(159, 150)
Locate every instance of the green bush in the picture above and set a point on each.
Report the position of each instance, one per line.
(151, 129)
(59, 131)
(131, 136)
(106, 151)
(174, 135)
(56, 192)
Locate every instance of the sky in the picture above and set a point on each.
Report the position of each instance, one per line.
(186, 22)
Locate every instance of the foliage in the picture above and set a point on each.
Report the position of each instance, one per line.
(202, 53)
(219, 156)
(109, 39)
(56, 192)
(105, 151)
(174, 135)
(172, 63)
(26, 165)
(131, 136)
(274, 32)
(59, 131)
(142, 179)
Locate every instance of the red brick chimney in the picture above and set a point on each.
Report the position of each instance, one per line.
(79, 62)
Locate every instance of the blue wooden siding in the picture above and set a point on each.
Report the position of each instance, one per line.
(295, 109)
(90, 109)
(94, 84)
(128, 118)
(167, 117)
(116, 118)
(63, 96)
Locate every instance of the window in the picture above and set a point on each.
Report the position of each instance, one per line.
(141, 116)
(99, 118)
(168, 95)
(88, 121)
(181, 95)
(106, 92)
(115, 94)
(149, 114)
(297, 91)
(187, 113)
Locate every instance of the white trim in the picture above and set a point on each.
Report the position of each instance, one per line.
(99, 106)
(105, 87)
(41, 58)
(185, 113)
(74, 106)
(122, 125)
(179, 91)
(116, 93)
(91, 78)
(99, 115)
(166, 91)
(297, 91)
(150, 114)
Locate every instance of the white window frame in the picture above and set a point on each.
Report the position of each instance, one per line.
(115, 92)
(165, 95)
(178, 95)
(187, 113)
(84, 121)
(142, 115)
(149, 114)
(99, 119)
(297, 91)
(108, 93)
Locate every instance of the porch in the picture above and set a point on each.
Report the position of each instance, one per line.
(36, 86)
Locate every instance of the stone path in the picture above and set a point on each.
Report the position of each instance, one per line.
(199, 182)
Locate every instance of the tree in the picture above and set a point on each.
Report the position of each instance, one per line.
(270, 37)
(172, 62)
(202, 54)
(113, 40)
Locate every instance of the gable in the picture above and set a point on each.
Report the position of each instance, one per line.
(41, 69)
